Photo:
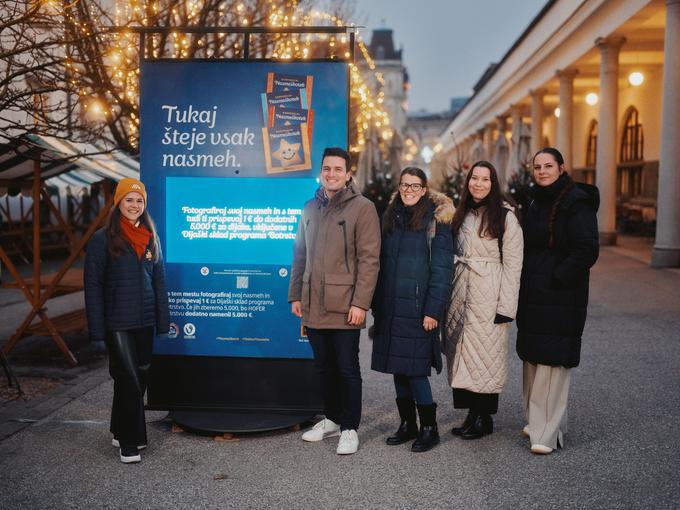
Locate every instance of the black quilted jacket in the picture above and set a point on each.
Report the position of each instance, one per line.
(124, 293)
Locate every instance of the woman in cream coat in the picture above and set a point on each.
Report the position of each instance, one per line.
(488, 254)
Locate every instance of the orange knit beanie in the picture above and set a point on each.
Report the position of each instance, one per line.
(126, 186)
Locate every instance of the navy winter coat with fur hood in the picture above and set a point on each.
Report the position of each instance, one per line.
(124, 293)
(414, 281)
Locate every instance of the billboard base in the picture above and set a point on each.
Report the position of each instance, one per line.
(224, 421)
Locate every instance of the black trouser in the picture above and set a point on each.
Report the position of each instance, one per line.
(336, 356)
(479, 403)
(129, 361)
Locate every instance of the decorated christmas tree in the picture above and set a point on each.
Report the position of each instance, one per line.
(379, 190)
(520, 188)
(454, 182)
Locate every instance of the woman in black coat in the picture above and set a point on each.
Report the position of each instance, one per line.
(560, 246)
(414, 286)
(125, 299)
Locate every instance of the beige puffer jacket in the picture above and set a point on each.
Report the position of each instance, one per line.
(476, 349)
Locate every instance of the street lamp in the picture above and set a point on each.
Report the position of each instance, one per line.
(592, 98)
(636, 78)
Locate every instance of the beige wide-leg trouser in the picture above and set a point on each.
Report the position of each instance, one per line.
(546, 391)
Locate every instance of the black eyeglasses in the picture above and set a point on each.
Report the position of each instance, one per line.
(403, 186)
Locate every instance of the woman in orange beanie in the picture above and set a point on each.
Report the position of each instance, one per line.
(126, 299)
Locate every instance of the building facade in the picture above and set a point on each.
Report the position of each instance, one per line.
(599, 80)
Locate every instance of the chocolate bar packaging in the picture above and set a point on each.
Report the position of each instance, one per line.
(288, 122)
(277, 82)
(287, 148)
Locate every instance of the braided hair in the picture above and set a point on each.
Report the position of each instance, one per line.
(559, 159)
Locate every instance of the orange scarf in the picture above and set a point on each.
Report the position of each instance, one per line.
(138, 237)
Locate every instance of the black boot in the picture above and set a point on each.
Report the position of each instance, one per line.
(428, 436)
(408, 428)
(457, 431)
(481, 426)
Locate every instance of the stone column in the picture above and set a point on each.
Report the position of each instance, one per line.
(502, 150)
(537, 108)
(607, 143)
(515, 164)
(666, 251)
(489, 140)
(565, 122)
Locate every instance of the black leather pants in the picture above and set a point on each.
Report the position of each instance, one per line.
(129, 361)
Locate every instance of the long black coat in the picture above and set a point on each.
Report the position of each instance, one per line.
(553, 297)
(124, 293)
(414, 281)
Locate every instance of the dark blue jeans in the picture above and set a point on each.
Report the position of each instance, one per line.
(414, 387)
(336, 356)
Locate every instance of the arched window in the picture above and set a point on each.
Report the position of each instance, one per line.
(591, 147)
(632, 138)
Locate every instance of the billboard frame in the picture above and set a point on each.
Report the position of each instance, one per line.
(266, 415)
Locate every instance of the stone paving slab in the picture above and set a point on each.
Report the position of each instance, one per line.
(621, 451)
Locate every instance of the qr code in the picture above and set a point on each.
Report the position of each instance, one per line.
(241, 282)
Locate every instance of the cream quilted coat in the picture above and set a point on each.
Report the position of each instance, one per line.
(476, 349)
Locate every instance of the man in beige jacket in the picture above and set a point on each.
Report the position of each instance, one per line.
(335, 269)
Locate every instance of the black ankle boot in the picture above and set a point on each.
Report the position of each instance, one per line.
(457, 431)
(408, 428)
(428, 436)
(481, 426)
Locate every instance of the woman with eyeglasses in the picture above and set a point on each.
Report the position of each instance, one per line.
(488, 255)
(414, 284)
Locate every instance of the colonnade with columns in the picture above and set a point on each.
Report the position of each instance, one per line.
(666, 252)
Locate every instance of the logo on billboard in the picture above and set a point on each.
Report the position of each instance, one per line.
(283, 272)
(205, 271)
(173, 332)
(189, 330)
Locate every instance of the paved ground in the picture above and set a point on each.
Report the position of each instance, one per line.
(622, 450)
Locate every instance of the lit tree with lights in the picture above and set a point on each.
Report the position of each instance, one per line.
(69, 48)
(35, 94)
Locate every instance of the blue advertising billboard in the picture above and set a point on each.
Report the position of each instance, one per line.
(230, 152)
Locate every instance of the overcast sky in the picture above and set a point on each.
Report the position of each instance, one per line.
(447, 43)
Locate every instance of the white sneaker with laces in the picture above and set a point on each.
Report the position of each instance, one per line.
(349, 442)
(325, 428)
(129, 455)
(115, 443)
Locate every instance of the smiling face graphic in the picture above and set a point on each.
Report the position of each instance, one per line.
(288, 153)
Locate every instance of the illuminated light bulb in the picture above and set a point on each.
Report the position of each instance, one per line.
(557, 112)
(636, 78)
(592, 98)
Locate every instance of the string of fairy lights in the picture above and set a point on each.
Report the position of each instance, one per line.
(121, 56)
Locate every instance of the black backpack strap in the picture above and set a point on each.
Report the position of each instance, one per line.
(500, 237)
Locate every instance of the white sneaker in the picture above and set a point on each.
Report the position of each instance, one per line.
(349, 442)
(116, 444)
(541, 449)
(130, 455)
(325, 428)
